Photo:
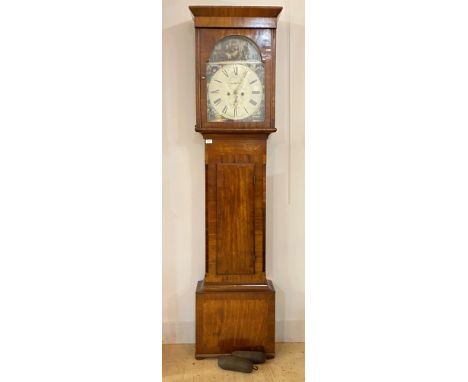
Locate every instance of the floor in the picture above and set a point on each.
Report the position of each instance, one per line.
(179, 364)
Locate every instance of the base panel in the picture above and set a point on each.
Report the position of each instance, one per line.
(230, 318)
(203, 356)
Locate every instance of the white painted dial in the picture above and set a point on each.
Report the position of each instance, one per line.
(235, 91)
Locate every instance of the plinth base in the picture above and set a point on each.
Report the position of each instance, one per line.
(234, 317)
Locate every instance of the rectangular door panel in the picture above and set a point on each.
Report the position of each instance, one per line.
(235, 218)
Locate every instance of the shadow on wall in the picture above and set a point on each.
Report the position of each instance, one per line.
(183, 182)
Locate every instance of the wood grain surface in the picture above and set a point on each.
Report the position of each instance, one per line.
(234, 16)
(229, 320)
(235, 209)
(235, 218)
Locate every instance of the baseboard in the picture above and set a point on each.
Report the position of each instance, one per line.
(184, 332)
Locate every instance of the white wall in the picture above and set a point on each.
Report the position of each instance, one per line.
(183, 174)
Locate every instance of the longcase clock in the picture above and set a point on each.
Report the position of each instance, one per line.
(235, 107)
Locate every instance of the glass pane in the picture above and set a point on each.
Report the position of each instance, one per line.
(235, 81)
(235, 48)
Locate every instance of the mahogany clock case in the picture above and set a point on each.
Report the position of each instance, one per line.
(235, 303)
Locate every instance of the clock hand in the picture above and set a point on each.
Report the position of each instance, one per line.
(241, 82)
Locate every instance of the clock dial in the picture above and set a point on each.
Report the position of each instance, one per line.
(235, 91)
(235, 77)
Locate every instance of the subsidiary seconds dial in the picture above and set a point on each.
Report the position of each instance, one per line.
(235, 91)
